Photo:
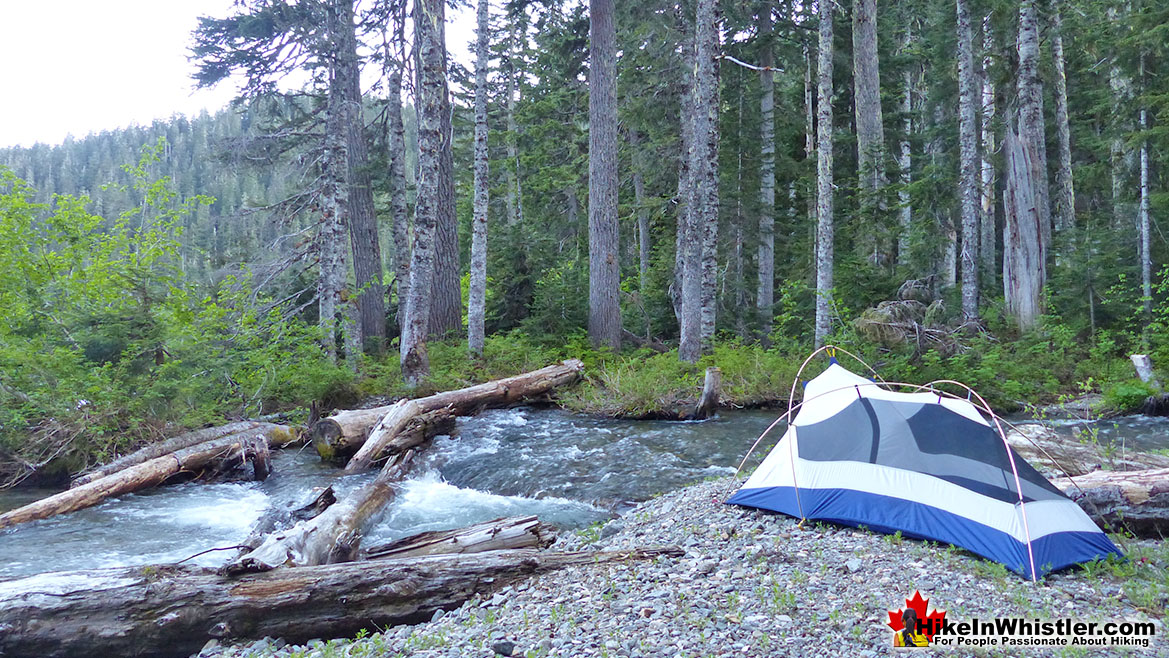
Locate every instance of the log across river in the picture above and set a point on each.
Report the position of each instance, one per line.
(569, 470)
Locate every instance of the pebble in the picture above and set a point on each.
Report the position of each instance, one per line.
(751, 584)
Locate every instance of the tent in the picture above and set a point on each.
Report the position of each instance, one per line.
(927, 464)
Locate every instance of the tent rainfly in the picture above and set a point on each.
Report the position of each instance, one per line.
(928, 465)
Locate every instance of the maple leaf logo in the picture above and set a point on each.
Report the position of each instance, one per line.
(930, 622)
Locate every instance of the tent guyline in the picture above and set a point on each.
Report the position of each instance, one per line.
(926, 463)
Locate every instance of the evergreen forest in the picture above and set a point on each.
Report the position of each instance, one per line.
(967, 189)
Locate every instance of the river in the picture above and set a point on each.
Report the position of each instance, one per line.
(569, 470)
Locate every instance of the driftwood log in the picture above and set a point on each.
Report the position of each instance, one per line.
(223, 453)
(335, 534)
(276, 434)
(1056, 456)
(343, 433)
(495, 535)
(1137, 501)
(166, 611)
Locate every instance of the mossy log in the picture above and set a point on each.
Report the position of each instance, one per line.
(277, 435)
(344, 433)
(1136, 501)
(169, 611)
(221, 454)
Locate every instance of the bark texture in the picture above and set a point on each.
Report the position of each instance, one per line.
(604, 272)
(477, 295)
(363, 229)
(870, 131)
(765, 293)
(171, 611)
(1065, 191)
(332, 230)
(986, 223)
(396, 139)
(700, 271)
(1024, 250)
(824, 232)
(968, 162)
(1031, 123)
(432, 135)
(446, 306)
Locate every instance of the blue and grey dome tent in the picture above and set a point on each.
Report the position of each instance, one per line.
(927, 464)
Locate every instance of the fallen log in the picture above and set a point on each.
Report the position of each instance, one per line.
(335, 534)
(164, 611)
(495, 535)
(276, 520)
(1136, 501)
(1056, 456)
(344, 432)
(276, 434)
(405, 426)
(230, 451)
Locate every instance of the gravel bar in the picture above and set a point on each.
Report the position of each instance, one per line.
(754, 584)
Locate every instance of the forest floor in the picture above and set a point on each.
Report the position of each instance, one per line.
(756, 584)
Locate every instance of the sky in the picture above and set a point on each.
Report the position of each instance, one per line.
(74, 67)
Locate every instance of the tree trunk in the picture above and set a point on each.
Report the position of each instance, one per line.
(1065, 192)
(331, 235)
(905, 164)
(363, 228)
(643, 238)
(515, 195)
(700, 274)
(344, 433)
(432, 133)
(682, 239)
(604, 271)
(397, 174)
(446, 307)
(810, 137)
(968, 174)
(1133, 501)
(172, 611)
(1146, 257)
(824, 233)
(870, 131)
(277, 435)
(986, 252)
(495, 535)
(477, 295)
(1120, 157)
(765, 294)
(1024, 251)
(222, 453)
(1030, 110)
(711, 390)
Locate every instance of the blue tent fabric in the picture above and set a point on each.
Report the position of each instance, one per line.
(923, 465)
